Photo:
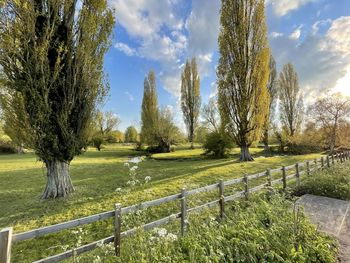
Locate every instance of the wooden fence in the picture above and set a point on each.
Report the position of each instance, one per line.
(7, 237)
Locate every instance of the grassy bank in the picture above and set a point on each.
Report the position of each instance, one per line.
(96, 176)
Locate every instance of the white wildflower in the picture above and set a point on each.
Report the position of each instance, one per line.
(136, 160)
(148, 178)
(118, 189)
(134, 168)
(126, 164)
(171, 237)
(162, 232)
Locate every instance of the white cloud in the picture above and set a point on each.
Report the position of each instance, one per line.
(276, 34)
(143, 18)
(320, 60)
(295, 35)
(283, 7)
(130, 96)
(125, 49)
(319, 24)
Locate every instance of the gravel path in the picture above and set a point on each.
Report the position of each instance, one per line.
(333, 217)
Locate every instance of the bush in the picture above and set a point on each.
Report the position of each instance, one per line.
(256, 231)
(333, 182)
(217, 144)
(7, 147)
(97, 141)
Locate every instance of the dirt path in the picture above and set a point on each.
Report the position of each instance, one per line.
(333, 217)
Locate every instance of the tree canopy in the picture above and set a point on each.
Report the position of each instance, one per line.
(52, 58)
(243, 71)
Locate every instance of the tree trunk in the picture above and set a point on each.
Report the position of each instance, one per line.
(192, 147)
(59, 183)
(245, 154)
(266, 140)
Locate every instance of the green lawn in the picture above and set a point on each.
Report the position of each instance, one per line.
(96, 176)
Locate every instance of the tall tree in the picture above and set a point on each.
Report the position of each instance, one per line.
(273, 91)
(291, 100)
(243, 71)
(54, 59)
(149, 110)
(329, 112)
(130, 134)
(190, 97)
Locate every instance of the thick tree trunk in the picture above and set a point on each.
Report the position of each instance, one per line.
(59, 183)
(266, 140)
(192, 146)
(245, 154)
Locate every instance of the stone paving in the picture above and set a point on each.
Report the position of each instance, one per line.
(333, 217)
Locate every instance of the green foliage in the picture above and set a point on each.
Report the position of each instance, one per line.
(7, 147)
(96, 176)
(131, 134)
(201, 134)
(97, 141)
(218, 144)
(114, 137)
(190, 97)
(149, 110)
(244, 55)
(291, 100)
(257, 231)
(167, 133)
(333, 182)
(57, 68)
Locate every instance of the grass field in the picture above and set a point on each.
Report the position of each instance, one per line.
(96, 176)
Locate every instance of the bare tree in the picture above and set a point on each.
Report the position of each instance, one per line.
(210, 114)
(329, 112)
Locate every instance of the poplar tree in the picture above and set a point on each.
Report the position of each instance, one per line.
(190, 97)
(52, 55)
(243, 71)
(291, 100)
(149, 110)
(273, 92)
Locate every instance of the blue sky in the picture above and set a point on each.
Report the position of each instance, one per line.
(161, 34)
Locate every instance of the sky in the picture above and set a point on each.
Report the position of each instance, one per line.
(159, 35)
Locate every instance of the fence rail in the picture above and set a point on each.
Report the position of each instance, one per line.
(7, 238)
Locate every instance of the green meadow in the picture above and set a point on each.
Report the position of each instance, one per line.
(100, 180)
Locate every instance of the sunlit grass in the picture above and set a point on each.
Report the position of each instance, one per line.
(96, 175)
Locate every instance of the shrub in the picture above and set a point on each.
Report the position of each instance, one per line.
(256, 231)
(334, 182)
(7, 147)
(97, 141)
(217, 144)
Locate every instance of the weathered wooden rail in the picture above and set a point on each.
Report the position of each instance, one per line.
(7, 237)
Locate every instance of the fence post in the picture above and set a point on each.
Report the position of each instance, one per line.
(246, 186)
(328, 163)
(117, 228)
(297, 173)
(5, 244)
(284, 177)
(268, 174)
(322, 163)
(222, 198)
(307, 168)
(316, 164)
(183, 211)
